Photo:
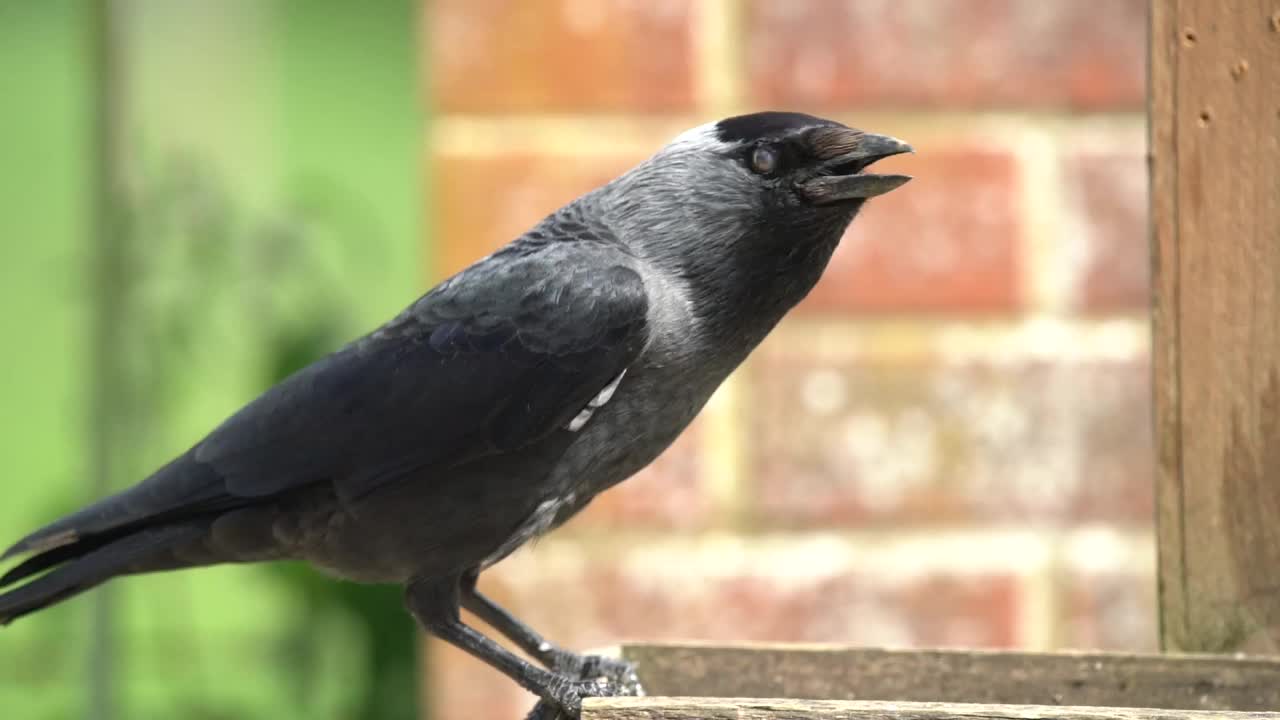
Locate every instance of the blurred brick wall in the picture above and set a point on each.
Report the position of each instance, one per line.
(948, 443)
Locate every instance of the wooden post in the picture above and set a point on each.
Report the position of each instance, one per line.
(1215, 189)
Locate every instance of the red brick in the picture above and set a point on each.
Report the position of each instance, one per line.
(1106, 230)
(947, 53)
(1111, 611)
(561, 55)
(669, 494)
(1108, 593)
(1117, 466)
(841, 441)
(724, 592)
(483, 202)
(946, 242)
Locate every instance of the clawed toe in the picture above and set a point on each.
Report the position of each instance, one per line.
(566, 703)
(618, 672)
(593, 667)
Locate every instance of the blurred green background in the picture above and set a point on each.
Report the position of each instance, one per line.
(195, 199)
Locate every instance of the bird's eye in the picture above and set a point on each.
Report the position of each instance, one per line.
(764, 160)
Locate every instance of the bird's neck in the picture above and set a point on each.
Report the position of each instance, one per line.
(740, 299)
(740, 276)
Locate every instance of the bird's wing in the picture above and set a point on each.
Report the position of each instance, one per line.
(493, 360)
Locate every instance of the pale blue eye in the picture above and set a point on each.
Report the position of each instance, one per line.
(764, 160)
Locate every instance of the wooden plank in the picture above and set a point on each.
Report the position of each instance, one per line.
(841, 673)
(676, 708)
(1215, 180)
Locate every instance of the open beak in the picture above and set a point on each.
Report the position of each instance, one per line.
(847, 153)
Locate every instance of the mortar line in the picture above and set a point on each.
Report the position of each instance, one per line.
(723, 460)
(963, 551)
(1042, 262)
(595, 134)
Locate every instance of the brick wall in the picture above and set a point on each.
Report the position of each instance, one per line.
(948, 443)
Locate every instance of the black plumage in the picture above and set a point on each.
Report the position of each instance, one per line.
(498, 404)
(494, 363)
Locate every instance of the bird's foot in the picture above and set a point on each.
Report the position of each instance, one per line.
(566, 698)
(616, 671)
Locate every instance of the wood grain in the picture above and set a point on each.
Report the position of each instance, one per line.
(841, 673)
(677, 708)
(1215, 188)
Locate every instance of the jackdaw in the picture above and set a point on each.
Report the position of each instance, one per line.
(503, 400)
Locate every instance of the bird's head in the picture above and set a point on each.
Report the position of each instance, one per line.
(776, 168)
(741, 202)
(792, 163)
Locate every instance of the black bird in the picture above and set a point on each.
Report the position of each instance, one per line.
(501, 402)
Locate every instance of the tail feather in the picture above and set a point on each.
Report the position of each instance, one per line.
(43, 561)
(85, 567)
(183, 488)
(47, 538)
(59, 554)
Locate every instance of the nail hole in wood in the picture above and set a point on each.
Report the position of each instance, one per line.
(1205, 117)
(1188, 37)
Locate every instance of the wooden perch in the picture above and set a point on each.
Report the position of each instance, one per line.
(1199, 682)
(715, 681)
(687, 708)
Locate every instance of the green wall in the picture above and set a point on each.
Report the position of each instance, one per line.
(293, 118)
(44, 201)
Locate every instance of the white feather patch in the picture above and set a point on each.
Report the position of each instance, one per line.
(596, 403)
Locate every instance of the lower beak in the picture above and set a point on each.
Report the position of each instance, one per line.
(842, 178)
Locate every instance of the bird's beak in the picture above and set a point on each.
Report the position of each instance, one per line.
(844, 154)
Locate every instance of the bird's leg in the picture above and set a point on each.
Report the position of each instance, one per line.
(435, 604)
(586, 667)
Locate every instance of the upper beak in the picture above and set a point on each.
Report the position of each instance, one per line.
(847, 153)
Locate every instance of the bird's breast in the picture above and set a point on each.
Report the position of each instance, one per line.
(544, 517)
(649, 409)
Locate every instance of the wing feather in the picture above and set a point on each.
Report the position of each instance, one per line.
(492, 360)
